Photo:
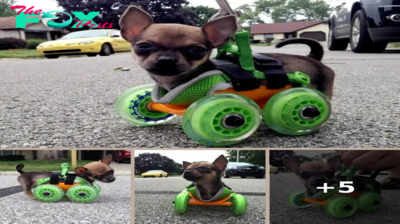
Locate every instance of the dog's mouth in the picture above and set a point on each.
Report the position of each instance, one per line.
(168, 71)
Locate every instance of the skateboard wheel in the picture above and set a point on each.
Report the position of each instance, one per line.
(48, 193)
(340, 207)
(369, 202)
(294, 199)
(239, 204)
(83, 194)
(181, 202)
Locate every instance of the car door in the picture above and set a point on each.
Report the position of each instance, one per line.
(120, 43)
(343, 20)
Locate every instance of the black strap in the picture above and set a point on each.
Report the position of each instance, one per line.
(55, 178)
(275, 75)
(242, 80)
(70, 179)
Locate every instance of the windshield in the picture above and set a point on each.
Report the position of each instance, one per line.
(240, 164)
(86, 34)
(153, 171)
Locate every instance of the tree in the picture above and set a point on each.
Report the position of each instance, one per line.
(256, 157)
(5, 10)
(291, 10)
(249, 15)
(275, 156)
(162, 11)
(203, 14)
(154, 161)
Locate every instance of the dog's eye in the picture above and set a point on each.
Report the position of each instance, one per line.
(196, 49)
(144, 46)
(305, 175)
(329, 174)
(204, 169)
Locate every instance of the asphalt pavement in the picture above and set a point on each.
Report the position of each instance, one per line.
(113, 206)
(154, 203)
(281, 213)
(69, 102)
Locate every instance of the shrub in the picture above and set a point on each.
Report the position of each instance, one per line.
(12, 43)
(255, 41)
(33, 43)
(11, 157)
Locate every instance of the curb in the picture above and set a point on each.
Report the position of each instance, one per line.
(15, 173)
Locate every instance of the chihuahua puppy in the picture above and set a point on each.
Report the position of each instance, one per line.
(174, 54)
(315, 174)
(91, 172)
(206, 176)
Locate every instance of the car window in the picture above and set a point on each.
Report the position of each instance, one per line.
(116, 32)
(240, 164)
(86, 34)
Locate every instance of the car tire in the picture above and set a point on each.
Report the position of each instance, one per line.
(52, 56)
(276, 172)
(360, 40)
(120, 160)
(336, 44)
(259, 177)
(242, 176)
(91, 55)
(106, 50)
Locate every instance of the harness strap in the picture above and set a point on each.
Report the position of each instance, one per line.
(55, 178)
(242, 80)
(70, 180)
(275, 75)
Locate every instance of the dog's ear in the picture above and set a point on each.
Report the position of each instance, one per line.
(133, 22)
(107, 160)
(290, 163)
(185, 165)
(219, 30)
(221, 162)
(335, 162)
(81, 171)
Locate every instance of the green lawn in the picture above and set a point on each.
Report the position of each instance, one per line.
(20, 54)
(396, 45)
(38, 165)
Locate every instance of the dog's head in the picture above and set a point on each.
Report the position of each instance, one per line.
(170, 51)
(100, 171)
(205, 172)
(314, 174)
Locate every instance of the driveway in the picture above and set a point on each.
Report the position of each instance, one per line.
(282, 184)
(154, 197)
(69, 102)
(113, 206)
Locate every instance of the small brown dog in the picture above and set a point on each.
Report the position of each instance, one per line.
(174, 54)
(206, 176)
(315, 174)
(91, 172)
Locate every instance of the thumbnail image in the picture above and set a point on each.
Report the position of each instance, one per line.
(334, 186)
(208, 186)
(65, 186)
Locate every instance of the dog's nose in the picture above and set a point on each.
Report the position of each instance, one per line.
(166, 60)
(187, 171)
(111, 179)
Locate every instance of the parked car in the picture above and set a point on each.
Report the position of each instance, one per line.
(155, 173)
(368, 25)
(121, 156)
(243, 170)
(90, 42)
(273, 169)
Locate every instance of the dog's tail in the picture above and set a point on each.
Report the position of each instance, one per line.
(19, 168)
(317, 51)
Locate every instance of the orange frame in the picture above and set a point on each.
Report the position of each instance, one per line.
(323, 202)
(221, 202)
(66, 187)
(260, 96)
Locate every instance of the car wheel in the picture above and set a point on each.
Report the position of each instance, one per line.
(276, 172)
(160, 176)
(226, 176)
(243, 177)
(52, 56)
(106, 50)
(336, 44)
(360, 40)
(91, 55)
(120, 160)
(259, 177)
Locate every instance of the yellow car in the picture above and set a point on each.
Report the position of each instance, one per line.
(155, 173)
(273, 169)
(89, 42)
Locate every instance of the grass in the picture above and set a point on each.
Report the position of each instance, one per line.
(263, 44)
(395, 45)
(20, 54)
(39, 165)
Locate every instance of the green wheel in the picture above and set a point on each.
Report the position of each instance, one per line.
(294, 199)
(297, 111)
(340, 207)
(239, 204)
(221, 119)
(369, 202)
(83, 194)
(97, 186)
(48, 193)
(181, 202)
(131, 106)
